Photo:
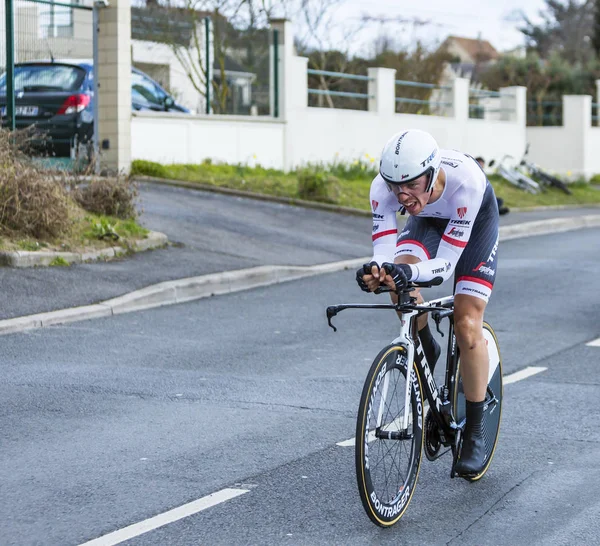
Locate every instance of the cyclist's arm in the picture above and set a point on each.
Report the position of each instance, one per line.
(385, 229)
(466, 203)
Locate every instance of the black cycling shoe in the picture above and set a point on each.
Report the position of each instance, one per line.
(472, 459)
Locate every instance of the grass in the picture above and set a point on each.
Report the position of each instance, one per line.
(353, 189)
(88, 232)
(59, 261)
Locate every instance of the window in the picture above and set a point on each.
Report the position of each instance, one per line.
(146, 89)
(57, 21)
(43, 77)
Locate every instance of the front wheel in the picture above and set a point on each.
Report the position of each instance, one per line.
(493, 409)
(388, 454)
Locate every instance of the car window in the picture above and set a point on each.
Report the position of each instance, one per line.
(45, 77)
(138, 99)
(142, 86)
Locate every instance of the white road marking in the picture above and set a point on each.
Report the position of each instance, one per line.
(595, 343)
(522, 374)
(165, 518)
(507, 380)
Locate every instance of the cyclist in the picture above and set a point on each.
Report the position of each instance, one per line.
(452, 228)
(501, 208)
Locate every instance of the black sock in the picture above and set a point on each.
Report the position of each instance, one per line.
(474, 414)
(431, 347)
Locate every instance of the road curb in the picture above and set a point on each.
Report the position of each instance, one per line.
(41, 258)
(194, 288)
(178, 291)
(546, 227)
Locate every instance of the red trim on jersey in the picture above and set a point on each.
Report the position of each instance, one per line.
(384, 233)
(454, 242)
(413, 242)
(475, 279)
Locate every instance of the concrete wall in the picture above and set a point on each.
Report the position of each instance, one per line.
(304, 135)
(180, 138)
(593, 152)
(572, 149)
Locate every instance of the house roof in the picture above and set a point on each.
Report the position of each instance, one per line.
(478, 50)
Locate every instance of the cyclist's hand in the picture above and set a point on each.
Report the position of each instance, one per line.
(367, 277)
(396, 276)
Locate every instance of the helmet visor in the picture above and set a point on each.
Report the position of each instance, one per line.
(421, 182)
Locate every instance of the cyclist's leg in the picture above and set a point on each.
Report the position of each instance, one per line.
(475, 275)
(474, 367)
(419, 241)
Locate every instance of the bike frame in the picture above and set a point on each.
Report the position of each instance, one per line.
(408, 338)
(516, 177)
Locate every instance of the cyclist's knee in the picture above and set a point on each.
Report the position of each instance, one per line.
(469, 331)
(468, 321)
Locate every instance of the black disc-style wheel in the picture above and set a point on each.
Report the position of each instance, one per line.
(492, 411)
(388, 454)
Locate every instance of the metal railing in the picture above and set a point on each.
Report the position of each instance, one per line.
(544, 113)
(424, 99)
(349, 99)
(595, 116)
(484, 103)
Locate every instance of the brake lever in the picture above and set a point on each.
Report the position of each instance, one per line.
(437, 319)
(332, 312)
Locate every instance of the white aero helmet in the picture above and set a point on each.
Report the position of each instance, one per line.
(409, 155)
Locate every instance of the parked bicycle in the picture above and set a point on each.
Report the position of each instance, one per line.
(507, 170)
(542, 176)
(391, 428)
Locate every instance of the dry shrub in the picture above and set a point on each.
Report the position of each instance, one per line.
(33, 202)
(108, 196)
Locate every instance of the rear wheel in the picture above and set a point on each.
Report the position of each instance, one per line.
(388, 457)
(493, 409)
(553, 181)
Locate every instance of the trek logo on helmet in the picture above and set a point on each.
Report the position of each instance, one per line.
(428, 160)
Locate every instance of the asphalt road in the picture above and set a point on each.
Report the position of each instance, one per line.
(211, 233)
(109, 422)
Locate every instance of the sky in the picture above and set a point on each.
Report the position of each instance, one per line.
(467, 18)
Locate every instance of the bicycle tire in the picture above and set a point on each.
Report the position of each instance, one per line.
(492, 414)
(552, 181)
(386, 505)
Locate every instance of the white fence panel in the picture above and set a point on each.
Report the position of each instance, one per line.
(169, 138)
